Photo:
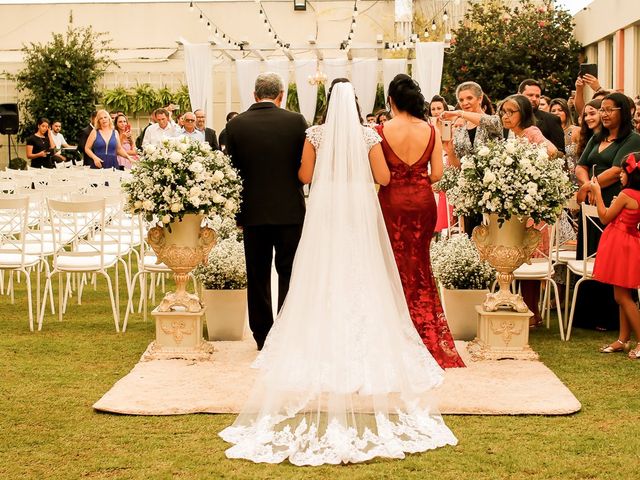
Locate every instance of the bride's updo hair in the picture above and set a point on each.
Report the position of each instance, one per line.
(326, 109)
(406, 95)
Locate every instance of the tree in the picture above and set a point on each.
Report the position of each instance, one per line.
(60, 78)
(498, 47)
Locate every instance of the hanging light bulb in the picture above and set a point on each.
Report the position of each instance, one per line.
(208, 25)
(445, 17)
(355, 11)
(433, 25)
(426, 33)
(201, 18)
(447, 37)
(191, 6)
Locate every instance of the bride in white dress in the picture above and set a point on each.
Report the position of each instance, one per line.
(344, 376)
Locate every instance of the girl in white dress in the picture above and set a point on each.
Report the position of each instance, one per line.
(344, 376)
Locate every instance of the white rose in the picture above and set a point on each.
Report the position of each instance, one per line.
(167, 172)
(542, 154)
(508, 161)
(217, 176)
(195, 201)
(230, 205)
(196, 167)
(148, 205)
(467, 164)
(484, 151)
(489, 177)
(217, 198)
(194, 191)
(175, 157)
(137, 204)
(231, 174)
(149, 148)
(176, 207)
(166, 219)
(183, 147)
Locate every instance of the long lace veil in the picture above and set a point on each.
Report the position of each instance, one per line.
(344, 376)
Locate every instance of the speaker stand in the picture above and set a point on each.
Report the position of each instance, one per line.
(9, 146)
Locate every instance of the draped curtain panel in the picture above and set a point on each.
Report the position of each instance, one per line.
(364, 76)
(247, 72)
(198, 70)
(334, 68)
(428, 67)
(390, 68)
(281, 67)
(307, 93)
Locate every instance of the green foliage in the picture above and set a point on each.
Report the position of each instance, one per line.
(165, 96)
(118, 100)
(181, 97)
(293, 104)
(321, 103)
(498, 47)
(380, 103)
(146, 99)
(59, 79)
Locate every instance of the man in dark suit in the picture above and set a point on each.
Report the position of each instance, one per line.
(265, 144)
(82, 139)
(209, 133)
(549, 124)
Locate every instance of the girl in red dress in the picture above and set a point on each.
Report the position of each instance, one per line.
(618, 257)
(411, 146)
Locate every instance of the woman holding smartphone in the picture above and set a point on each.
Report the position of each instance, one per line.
(40, 146)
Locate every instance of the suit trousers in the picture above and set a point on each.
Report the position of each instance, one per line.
(259, 243)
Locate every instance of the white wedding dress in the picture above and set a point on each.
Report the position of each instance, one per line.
(344, 376)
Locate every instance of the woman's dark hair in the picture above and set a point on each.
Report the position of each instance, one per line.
(562, 103)
(407, 96)
(524, 107)
(487, 105)
(381, 113)
(230, 115)
(338, 80)
(621, 101)
(42, 120)
(115, 121)
(436, 99)
(585, 132)
(634, 176)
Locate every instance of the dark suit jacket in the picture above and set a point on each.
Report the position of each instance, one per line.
(82, 141)
(210, 138)
(551, 127)
(265, 144)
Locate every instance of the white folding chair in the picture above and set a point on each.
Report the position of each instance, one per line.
(542, 268)
(84, 220)
(584, 267)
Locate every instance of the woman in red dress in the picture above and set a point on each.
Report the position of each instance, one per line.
(410, 146)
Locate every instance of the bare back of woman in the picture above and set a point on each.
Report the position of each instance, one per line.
(408, 138)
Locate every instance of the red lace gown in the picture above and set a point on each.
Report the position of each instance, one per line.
(617, 260)
(409, 211)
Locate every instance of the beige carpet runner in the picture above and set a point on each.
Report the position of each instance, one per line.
(174, 387)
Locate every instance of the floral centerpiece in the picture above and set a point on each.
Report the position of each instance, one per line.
(182, 176)
(449, 179)
(511, 178)
(456, 264)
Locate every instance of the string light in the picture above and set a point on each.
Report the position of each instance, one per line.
(217, 35)
(433, 25)
(445, 16)
(191, 6)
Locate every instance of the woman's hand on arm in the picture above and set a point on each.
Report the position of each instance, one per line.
(609, 176)
(379, 167)
(308, 163)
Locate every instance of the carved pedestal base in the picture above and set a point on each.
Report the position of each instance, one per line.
(179, 335)
(502, 334)
(184, 299)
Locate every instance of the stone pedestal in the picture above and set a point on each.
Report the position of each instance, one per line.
(179, 335)
(503, 334)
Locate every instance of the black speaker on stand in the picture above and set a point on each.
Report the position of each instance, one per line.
(9, 122)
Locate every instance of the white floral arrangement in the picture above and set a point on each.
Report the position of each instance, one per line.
(448, 181)
(182, 176)
(226, 269)
(225, 227)
(511, 178)
(456, 264)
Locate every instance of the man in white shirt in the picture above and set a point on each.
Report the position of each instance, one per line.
(59, 141)
(190, 129)
(157, 132)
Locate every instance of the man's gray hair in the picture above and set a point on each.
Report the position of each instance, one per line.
(268, 86)
(473, 86)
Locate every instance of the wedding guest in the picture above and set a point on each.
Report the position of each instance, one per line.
(382, 116)
(371, 119)
(560, 108)
(163, 128)
(222, 139)
(517, 117)
(209, 133)
(487, 105)
(437, 105)
(617, 261)
(544, 104)
(473, 129)
(548, 124)
(413, 151)
(40, 146)
(103, 145)
(59, 140)
(445, 211)
(190, 130)
(265, 144)
(590, 123)
(124, 134)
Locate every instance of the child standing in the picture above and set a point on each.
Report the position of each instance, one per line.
(618, 258)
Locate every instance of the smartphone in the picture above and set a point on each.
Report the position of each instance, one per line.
(593, 170)
(445, 130)
(573, 93)
(127, 128)
(590, 68)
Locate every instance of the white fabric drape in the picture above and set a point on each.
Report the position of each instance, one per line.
(334, 68)
(428, 67)
(198, 70)
(390, 68)
(247, 71)
(281, 67)
(364, 76)
(307, 93)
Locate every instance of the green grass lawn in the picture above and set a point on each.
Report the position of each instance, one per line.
(50, 379)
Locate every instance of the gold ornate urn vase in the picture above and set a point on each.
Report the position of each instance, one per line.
(181, 247)
(505, 247)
